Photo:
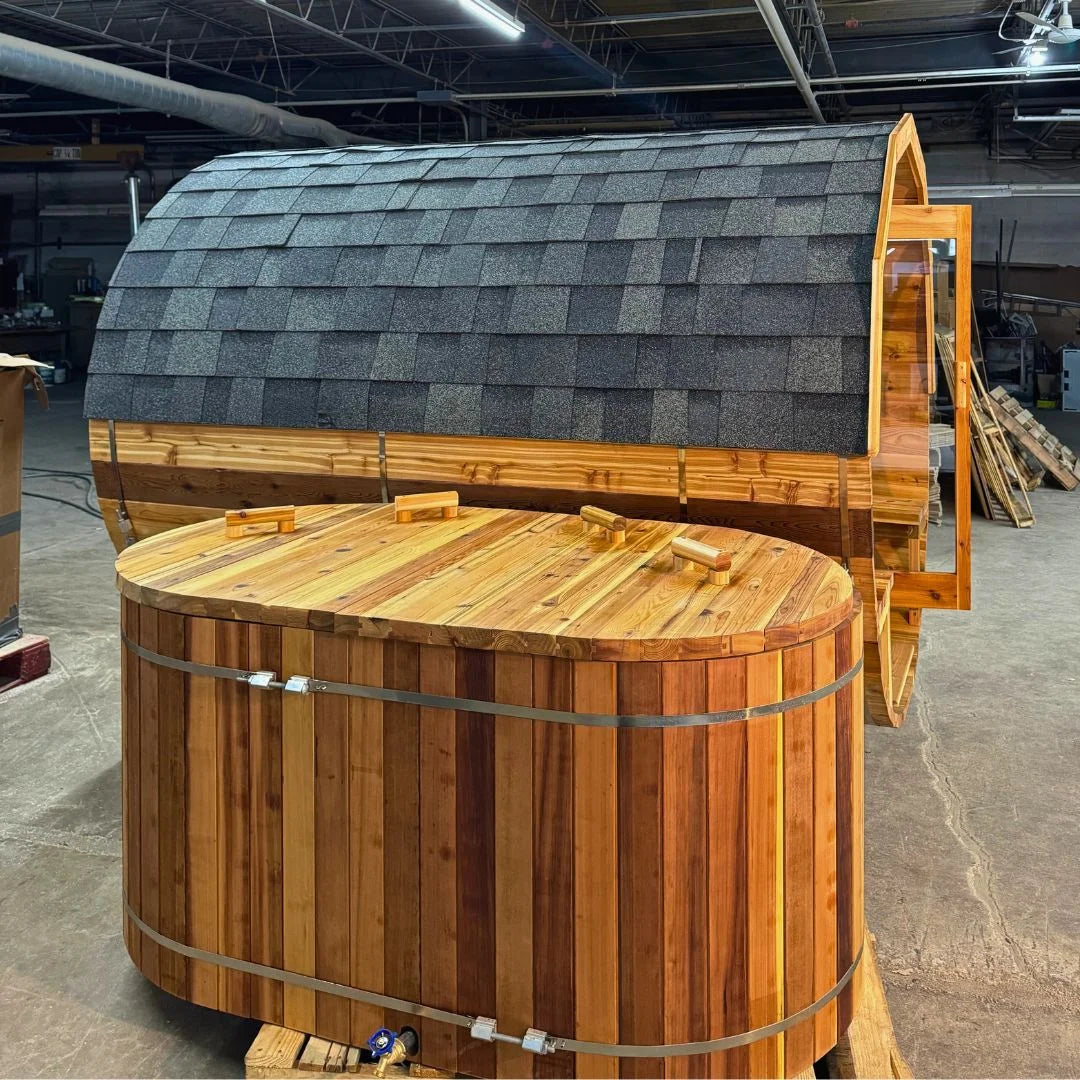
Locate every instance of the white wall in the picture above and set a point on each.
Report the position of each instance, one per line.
(1048, 229)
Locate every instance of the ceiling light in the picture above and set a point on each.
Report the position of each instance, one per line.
(1039, 54)
(494, 16)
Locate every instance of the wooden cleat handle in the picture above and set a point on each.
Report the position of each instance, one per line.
(615, 524)
(715, 561)
(284, 517)
(407, 505)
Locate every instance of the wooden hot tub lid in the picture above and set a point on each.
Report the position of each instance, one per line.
(510, 580)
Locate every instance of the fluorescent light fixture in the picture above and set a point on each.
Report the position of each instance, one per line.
(1039, 54)
(494, 16)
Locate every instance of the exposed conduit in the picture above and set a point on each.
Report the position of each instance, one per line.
(238, 115)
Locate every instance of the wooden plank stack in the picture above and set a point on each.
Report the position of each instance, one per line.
(999, 481)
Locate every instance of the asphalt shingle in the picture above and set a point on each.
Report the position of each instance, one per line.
(187, 309)
(343, 403)
(230, 269)
(814, 365)
(506, 411)
(698, 288)
(452, 358)
(594, 309)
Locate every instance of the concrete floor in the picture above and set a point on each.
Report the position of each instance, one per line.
(973, 866)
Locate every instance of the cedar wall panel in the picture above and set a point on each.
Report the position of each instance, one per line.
(636, 885)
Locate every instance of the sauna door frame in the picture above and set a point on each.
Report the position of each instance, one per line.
(950, 590)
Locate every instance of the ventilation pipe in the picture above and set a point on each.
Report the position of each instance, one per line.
(775, 23)
(238, 115)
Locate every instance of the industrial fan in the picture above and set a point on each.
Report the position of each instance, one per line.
(1061, 32)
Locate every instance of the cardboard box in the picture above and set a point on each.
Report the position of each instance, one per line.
(16, 373)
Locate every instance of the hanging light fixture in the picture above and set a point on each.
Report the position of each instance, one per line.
(1039, 54)
(494, 16)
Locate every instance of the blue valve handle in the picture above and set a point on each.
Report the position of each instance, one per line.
(382, 1042)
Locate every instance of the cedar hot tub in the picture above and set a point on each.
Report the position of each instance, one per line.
(433, 767)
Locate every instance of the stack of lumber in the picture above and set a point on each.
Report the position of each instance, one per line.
(1048, 454)
(999, 481)
(940, 435)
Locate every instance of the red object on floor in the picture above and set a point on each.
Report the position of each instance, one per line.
(23, 660)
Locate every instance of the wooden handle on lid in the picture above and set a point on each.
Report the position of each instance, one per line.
(407, 505)
(284, 517)
(615, 524)
(717, 562)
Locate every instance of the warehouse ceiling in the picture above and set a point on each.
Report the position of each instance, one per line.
(433, 70)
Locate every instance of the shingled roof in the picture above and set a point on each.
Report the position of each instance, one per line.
(705, 289)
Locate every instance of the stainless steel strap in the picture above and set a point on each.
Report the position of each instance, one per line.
(550, 1043)
(384, 486)
(123, 521)
(306, 684)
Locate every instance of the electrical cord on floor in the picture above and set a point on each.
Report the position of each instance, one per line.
(66, 502)
(88, 506)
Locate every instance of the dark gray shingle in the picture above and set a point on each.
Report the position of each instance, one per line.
(552, 412)
(244, 353)
(296, 355)
(192, 353)
(781, 259)
(264, 309)
(726, 261)
(453, 409)
(396, 406)
(790, 180)
(843, 309)
(299, 266)
(627, 413)
(188, 309)
(343, 403)
(607, 262)
(538, 309)
(594, 309)
(814, 365)
(829, 423)
(605, 362)
(229, 269)
(452, 358)
(506, 411)
(395, 358)
(290, 402)
(757, 420)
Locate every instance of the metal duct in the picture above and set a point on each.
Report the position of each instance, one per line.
(791, 58)
(234, 113)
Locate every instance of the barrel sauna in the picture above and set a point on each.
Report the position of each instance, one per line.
(594, 781)
(722, 327)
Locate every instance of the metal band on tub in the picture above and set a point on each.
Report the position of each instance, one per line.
(486, 1028)
(306, 684)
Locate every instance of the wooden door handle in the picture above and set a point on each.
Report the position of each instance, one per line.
(715, 561)
(407, 505)
(615, 524)
(284, 517)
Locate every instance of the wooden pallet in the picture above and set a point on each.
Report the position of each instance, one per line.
(23, 660)
(867, 1051)
(1059, 461)
(999, 481)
